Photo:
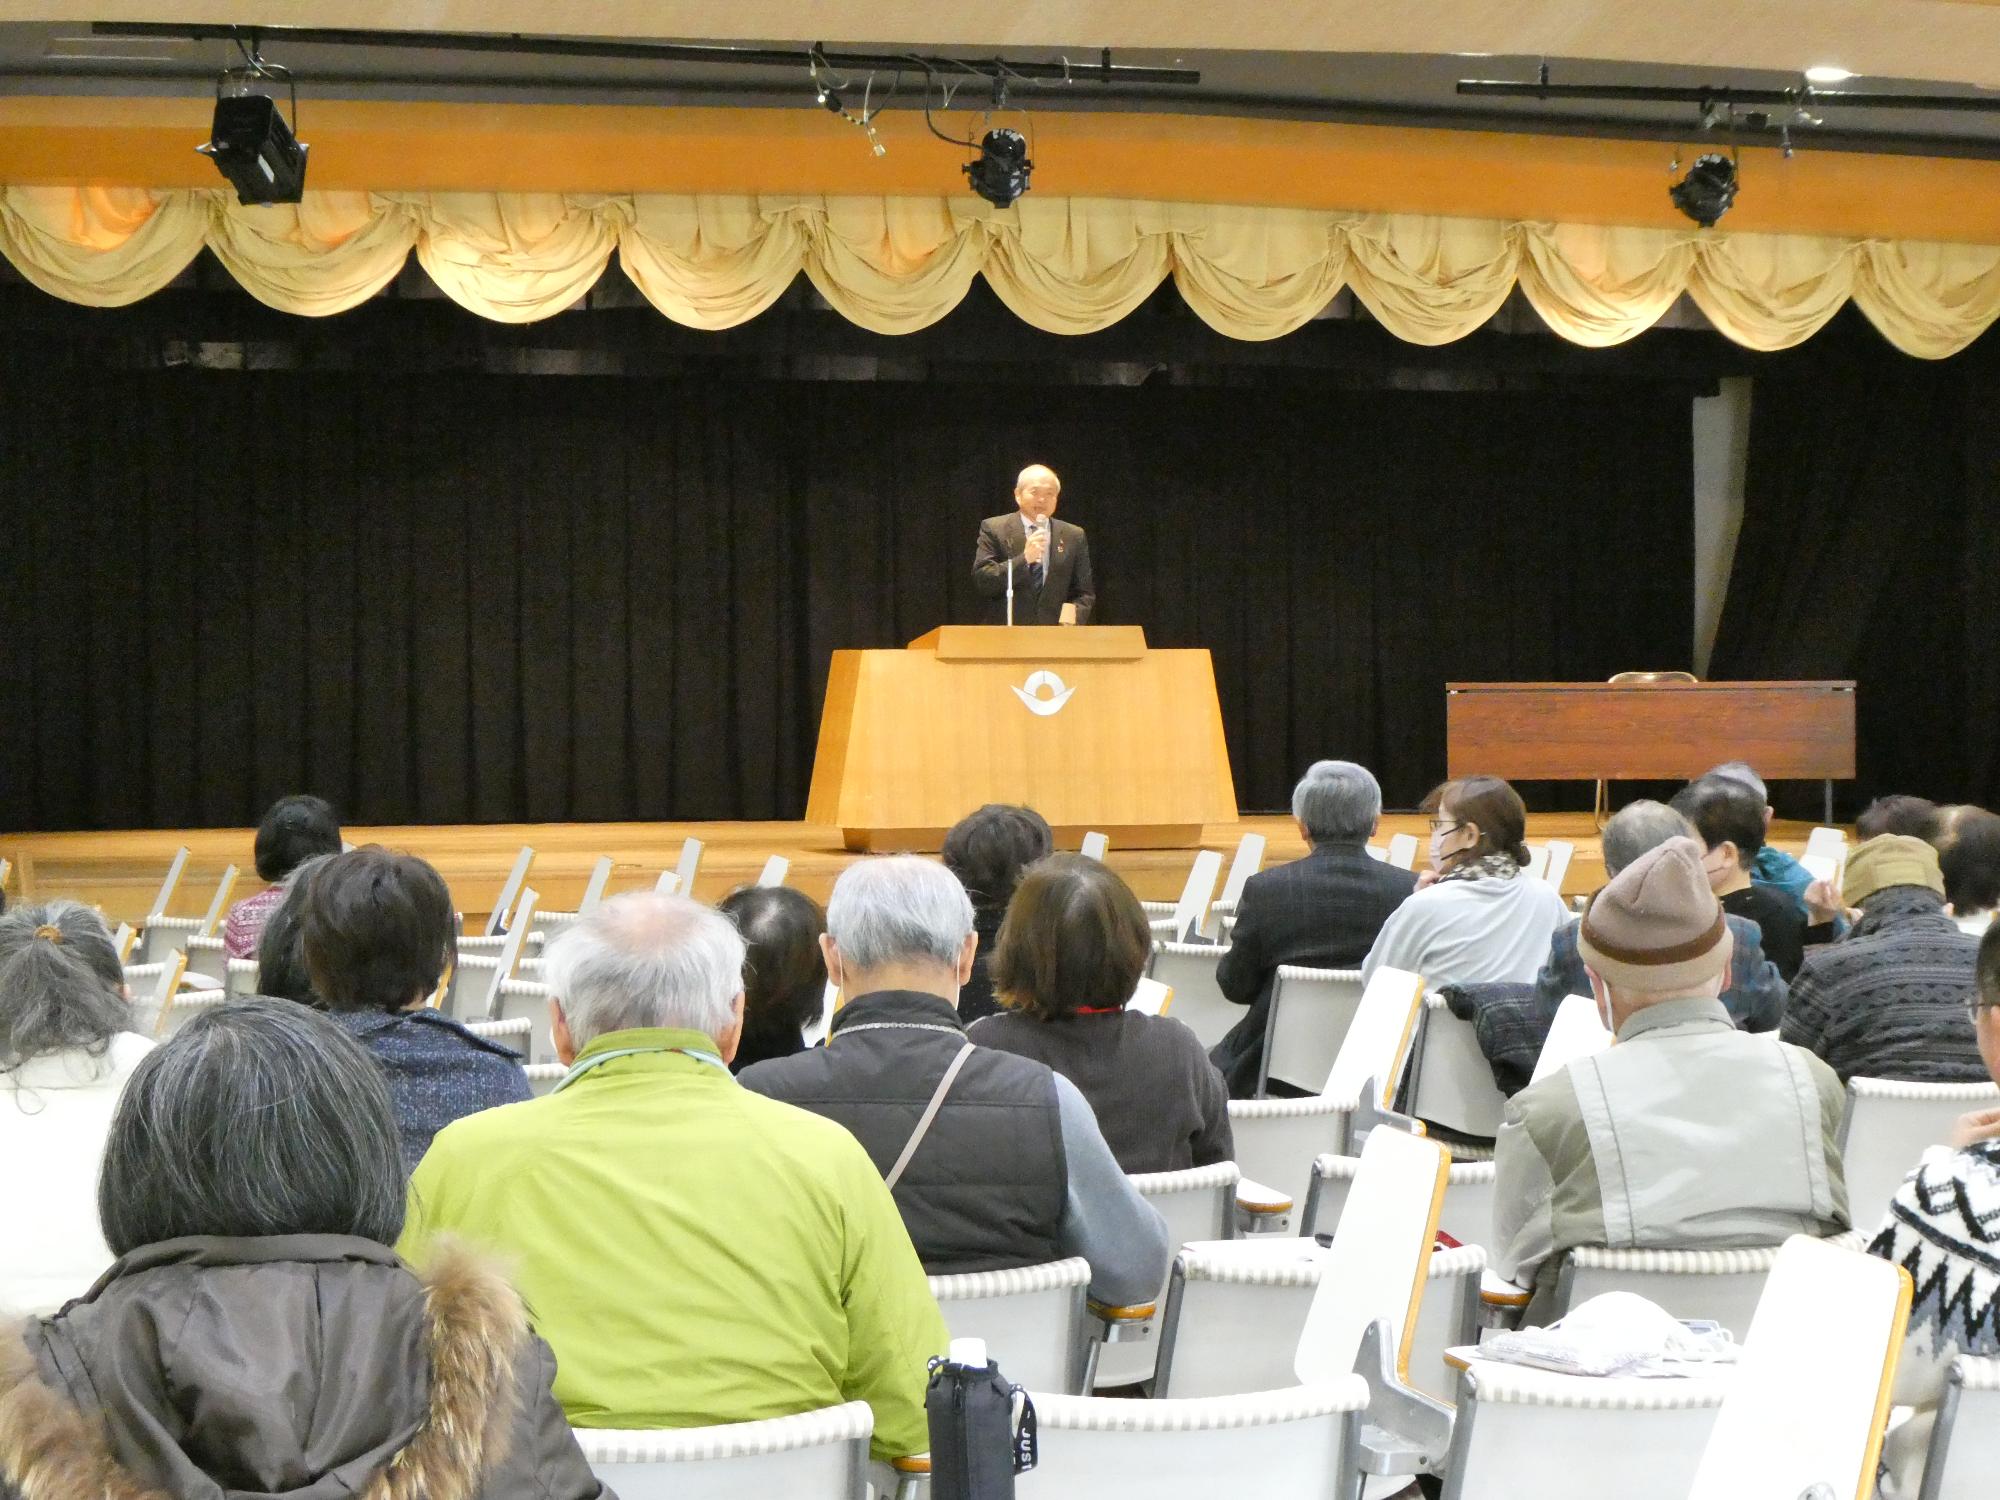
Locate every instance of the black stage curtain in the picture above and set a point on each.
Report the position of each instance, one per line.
(463, 598)
(1870, 549)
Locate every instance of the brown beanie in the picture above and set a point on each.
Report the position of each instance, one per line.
(1657, 927)
(1889, 859)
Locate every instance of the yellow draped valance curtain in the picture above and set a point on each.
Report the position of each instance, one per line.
(1066, 265)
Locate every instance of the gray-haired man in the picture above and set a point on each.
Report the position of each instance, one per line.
(1323, 911)
(995, 1161)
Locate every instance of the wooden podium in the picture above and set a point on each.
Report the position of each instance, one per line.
(1084, 724)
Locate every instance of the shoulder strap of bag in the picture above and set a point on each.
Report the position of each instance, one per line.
(930, 1113)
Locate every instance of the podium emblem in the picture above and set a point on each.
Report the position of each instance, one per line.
(1030, 693)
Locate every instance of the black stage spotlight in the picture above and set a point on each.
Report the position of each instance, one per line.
(1705, 194)
(252, 145)
(1001, 173)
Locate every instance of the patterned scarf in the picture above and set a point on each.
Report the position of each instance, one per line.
(1496, 866)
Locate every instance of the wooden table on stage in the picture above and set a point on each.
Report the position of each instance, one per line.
(1117, 737)
(1601, 731)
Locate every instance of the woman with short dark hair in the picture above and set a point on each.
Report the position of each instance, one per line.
(257, 1333)
(784, 971)
(66, 1049)
(987, 850)
(1477, 915)
(1072, 949)
(295, 830)
(376, 931)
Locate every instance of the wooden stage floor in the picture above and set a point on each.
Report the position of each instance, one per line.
(120, 871)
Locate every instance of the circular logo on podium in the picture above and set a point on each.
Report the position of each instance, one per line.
(1044, 693)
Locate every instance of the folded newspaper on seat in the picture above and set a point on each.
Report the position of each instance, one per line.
(1619, 1333)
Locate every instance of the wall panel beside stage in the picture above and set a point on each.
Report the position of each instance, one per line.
(463, 598)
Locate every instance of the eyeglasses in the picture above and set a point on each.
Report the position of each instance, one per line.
(1445, 825)
(1974, 1007)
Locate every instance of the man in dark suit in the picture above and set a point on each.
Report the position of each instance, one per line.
(1052, 582)
(1322, 911)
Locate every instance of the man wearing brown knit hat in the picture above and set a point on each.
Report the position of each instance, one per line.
(1687, 1133)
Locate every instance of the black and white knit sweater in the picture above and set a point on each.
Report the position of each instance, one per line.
(1944, 1229)
(1889, 999)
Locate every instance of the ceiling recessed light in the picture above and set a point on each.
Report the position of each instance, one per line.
(1827, 75)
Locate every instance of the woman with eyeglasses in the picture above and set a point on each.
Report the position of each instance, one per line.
(1943, 1227)
(1477, 915)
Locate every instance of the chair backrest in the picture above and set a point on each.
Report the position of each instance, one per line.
(1379, 1254)
(1721, 1284)
(165, 895)
(1277, 1140)
(183, 1006)
(1522, 1431)
(1151, 998)
(503, 903)
(1375, 1052)
(593, 891)
(1032, 1320)
(212, 918)
(1198, 1203)
(776, 868)
(123, 939)
(1965, 1443)
(1096, 845)
(817, 1455)
(206, 955)
(1311, 1011)
(522, 1007)
(1403, 850)
(242, 978)
(1295, 1442)
(1538, 861)
(668, 884)
(1188, 969)
(486, 1007)
(690, 864)
(543, 1077)
(1561, 852)
(1811, 1395)
(1887, 1125)
(1577, 1031)
(1452, 1084)
(1191, 910)
(1249, 859)
(1467, 1214)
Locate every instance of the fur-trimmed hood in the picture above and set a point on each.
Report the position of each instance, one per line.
(306, 1367)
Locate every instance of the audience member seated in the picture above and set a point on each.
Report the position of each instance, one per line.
(1321, 912)
(66, 1049)
(281, 958)
(1943, 1227)
(784, 973)
(693, 1252)
(1772, 867)
(1914, 817)
(375, 929)
(257, 1334)
(1477, 915)
(1889, 1000)
(295, 830)
(987, 850)
(1010, 1168)
(1729, 821)
(1686, 1133)
(1968, 846)
(1512, 1021)
(1071, 952)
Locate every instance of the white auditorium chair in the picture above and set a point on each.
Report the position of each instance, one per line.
(1249, 858)
(1033, 1320)
(1189, 970)
(1466, 1214)
(1198, 1203)
(242, 978)
(1721, 1284)
(1964, 1453)
(816, 1455)
(1310, 1012)
(472, 990)
(1519, 1431)
(160, 934)
(503, 904)
(514, 1033)
(184, 1007)
(164, 936)
(1886, 1128)
(522, 1011)
(1189, 911)
(1451, 1083)
(1806, 1409)
(207, 957)
(1298, 1442)
(543, 1077)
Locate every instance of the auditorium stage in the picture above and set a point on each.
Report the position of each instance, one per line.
(120, 871)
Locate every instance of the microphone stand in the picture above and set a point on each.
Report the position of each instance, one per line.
(1010, 590)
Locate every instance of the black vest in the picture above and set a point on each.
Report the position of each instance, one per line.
(985, 1190)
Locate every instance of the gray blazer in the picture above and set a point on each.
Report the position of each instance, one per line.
(1067, 577)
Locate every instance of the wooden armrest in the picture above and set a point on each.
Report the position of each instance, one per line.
(1496, 1291)
(912, 1463)
(1138, 1312)
(1255, 1198)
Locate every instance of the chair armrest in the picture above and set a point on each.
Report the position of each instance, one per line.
(1501, 1303)
(1260, 1209)
(914, 1463)
(1119, 1325)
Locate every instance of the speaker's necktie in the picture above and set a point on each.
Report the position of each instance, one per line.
(1038, 570)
